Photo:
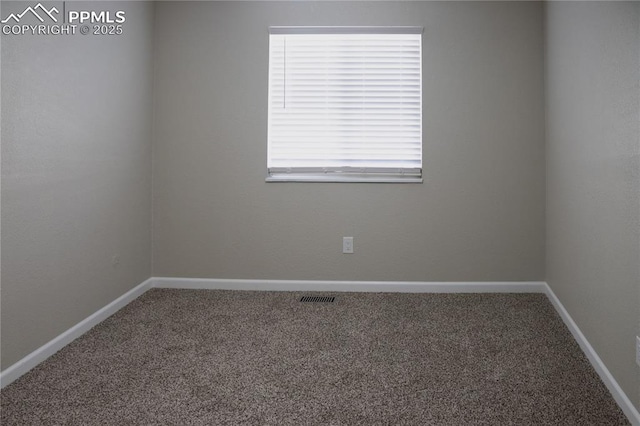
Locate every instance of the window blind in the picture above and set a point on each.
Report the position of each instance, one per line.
(345, 103)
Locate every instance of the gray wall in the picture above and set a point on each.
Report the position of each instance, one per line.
(593, 175)
(76, 175)
(479, 215)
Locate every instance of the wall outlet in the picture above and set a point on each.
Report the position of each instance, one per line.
(347, 244)
(638, 350)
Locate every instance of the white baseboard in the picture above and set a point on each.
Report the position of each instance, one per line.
(351, 286)
(21, 367)
(605, 375)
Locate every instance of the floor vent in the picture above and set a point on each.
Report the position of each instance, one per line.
(317, 299)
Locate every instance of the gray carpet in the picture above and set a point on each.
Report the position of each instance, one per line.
(220, 357)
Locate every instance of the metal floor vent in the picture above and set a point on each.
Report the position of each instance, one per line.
(317, 299)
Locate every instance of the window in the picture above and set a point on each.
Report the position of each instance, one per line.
(345, 104)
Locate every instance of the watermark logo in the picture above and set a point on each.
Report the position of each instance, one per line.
(33, 11)
(70, 22)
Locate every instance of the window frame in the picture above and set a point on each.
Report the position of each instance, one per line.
(345, 174)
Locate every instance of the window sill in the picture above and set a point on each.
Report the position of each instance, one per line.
(344, 179)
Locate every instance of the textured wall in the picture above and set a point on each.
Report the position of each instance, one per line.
(478, 216)
(76, 174)
(593, 175)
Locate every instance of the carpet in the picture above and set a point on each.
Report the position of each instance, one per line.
(203, 357)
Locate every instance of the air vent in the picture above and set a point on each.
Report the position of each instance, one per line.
(317, 299)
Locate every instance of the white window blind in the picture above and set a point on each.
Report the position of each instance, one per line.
(345, 104)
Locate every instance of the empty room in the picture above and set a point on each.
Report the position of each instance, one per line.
(320, 212)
